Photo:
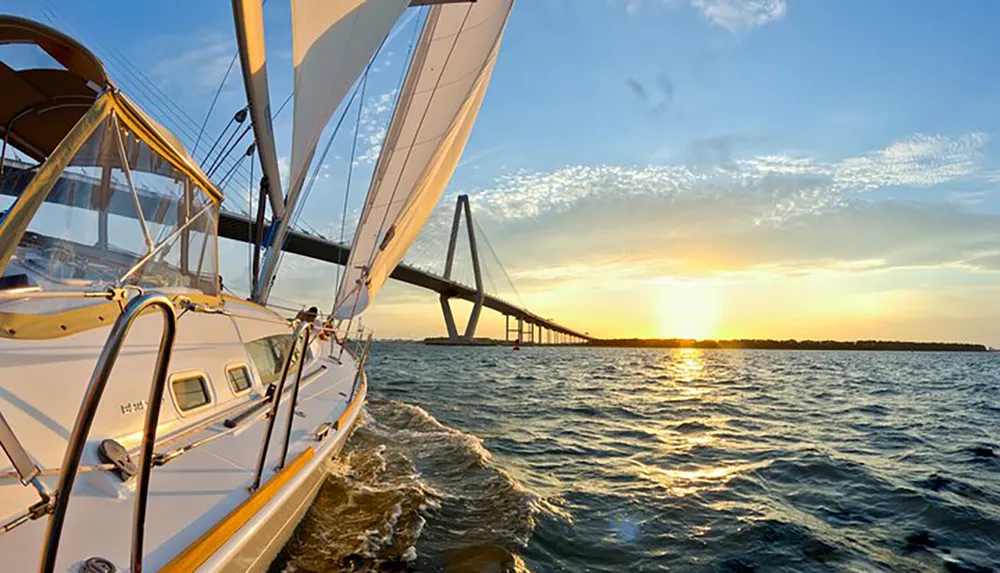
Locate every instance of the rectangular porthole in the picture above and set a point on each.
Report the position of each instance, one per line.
(239, 379)
(190, 392)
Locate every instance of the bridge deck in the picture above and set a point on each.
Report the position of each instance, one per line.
(81, 189)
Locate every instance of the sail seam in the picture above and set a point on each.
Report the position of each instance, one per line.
(423, 116)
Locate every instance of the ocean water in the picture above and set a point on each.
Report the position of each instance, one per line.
(573, 459)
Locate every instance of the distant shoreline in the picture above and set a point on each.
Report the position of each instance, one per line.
(747, 344)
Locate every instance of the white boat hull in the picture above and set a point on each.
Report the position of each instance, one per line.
(201, 515)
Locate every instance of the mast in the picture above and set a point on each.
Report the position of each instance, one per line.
(249, 18)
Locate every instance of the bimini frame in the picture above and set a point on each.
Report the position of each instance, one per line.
(17, 219)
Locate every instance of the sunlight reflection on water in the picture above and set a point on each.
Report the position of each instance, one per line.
(684, 460)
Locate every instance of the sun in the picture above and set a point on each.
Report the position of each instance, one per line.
(689, 311)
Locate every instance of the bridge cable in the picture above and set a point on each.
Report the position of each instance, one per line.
(499, 262)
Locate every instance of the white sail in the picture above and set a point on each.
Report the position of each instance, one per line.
(249, 18)
(430, 127)
(332, 42)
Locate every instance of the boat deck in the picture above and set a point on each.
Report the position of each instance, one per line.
(198, 501)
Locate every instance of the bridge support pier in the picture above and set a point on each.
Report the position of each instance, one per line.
(461, 206)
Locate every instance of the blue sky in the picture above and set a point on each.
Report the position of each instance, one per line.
(784, 168)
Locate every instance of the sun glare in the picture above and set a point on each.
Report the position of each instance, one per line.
(690, 311)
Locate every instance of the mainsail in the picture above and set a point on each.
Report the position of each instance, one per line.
(332, 43)
(441, 95)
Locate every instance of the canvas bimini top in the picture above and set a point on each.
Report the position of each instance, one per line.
(41, 105)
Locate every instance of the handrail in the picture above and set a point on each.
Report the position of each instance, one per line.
(361, 366)
(88, 411)
(275, 402)
(295, 399)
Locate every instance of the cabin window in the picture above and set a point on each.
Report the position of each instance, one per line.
(239, 379)
(268, 355)
(263, 357)
(190, 392)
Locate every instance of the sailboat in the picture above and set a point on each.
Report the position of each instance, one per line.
(150, 421)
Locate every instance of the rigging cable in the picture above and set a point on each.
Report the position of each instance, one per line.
(155, 98)
(416, 133)
(211, 107)
(218, 92)
(319, 165)
(250, 242)
(228, 150)
(350, 174)
(358, 86)
(399, 92)
(248, 153)
(238, 118)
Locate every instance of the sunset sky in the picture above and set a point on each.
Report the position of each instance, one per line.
(701, 168)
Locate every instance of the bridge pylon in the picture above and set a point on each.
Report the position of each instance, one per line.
(462, 206)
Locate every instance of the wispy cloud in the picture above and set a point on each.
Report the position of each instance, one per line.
(376, 113)
(793, 212)
(201, 66)
(813, 185)
(734, 15)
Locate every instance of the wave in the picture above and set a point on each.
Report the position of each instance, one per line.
(751, 462)
(405, 484)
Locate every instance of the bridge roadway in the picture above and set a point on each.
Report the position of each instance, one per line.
(81, 190)
(238, 228)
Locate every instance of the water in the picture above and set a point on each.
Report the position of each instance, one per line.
(569, 459)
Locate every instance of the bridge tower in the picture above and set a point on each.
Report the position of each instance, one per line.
(462, 206)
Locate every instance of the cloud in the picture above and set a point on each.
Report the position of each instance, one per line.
(788, 185)
(376, 113)
(733, 15)
(781, 213)
(736, 15)
(200, 67)
(917, 161)
(284, 167)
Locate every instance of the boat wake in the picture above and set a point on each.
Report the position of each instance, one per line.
(403, 477)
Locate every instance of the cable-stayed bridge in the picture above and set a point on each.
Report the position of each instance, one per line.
(521, 324)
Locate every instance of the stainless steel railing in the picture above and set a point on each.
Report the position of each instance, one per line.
(276, 401)
(362, 359)
(88, 411)
(295, 397)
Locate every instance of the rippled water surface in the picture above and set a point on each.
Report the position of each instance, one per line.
(571, 459)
